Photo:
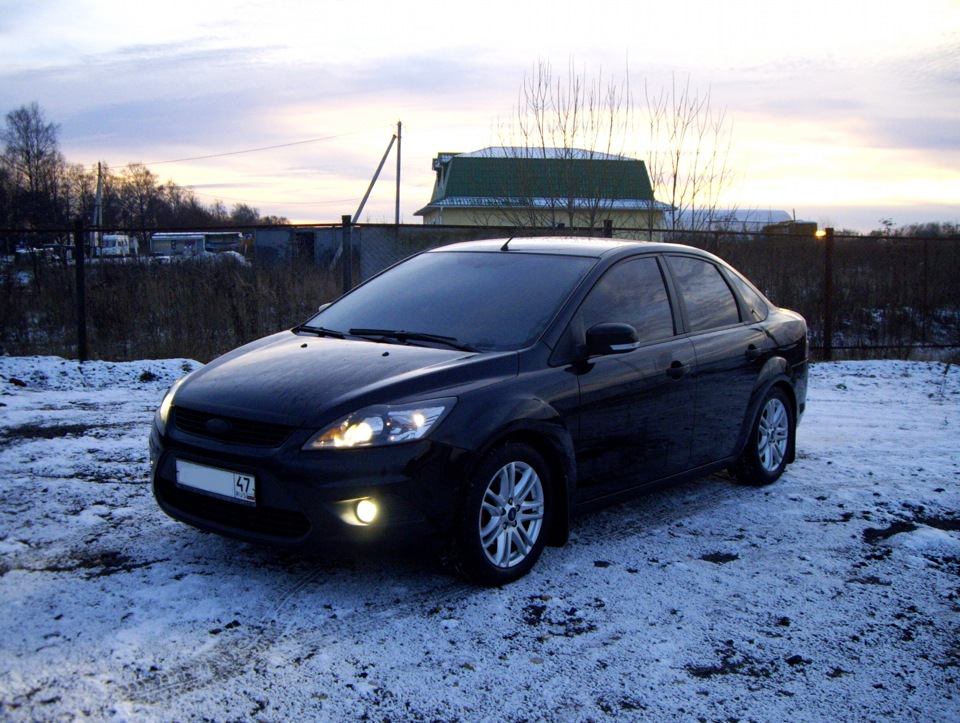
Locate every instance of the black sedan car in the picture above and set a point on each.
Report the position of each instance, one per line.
(479, 394)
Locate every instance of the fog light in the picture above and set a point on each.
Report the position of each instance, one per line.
(366, 511)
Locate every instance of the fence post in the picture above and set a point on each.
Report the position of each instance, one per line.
(79, 254)
(828, 294)
(608, 228)
(926, 283)
(347, 254)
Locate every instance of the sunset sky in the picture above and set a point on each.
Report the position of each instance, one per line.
(842, 112)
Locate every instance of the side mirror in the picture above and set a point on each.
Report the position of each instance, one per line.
(611, 338)
(323, 306)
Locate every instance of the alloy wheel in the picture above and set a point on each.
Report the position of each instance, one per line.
(511, 514)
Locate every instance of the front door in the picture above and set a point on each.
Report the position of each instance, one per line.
(636, 408)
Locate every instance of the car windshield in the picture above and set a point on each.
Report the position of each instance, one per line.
(479, 300)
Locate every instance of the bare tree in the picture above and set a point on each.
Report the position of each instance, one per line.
(577, 117)
(689, 143)
(181, 208)
(6, 209)
(33, 163)
(220, 214)
(139, 190)
(40, 192)
(560, 125)
(78, 190)
(244, 215)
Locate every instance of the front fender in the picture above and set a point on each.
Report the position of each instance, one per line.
(479, 426)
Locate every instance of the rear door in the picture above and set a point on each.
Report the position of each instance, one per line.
(730, 351)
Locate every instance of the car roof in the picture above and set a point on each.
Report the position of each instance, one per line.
(559, 245)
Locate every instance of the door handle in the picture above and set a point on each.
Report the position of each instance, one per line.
(753, 353)
(678, 370)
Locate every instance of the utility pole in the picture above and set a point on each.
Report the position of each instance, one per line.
(397, 214)
(395, 138)
(97, 236)
(78, 259)
(347, 245)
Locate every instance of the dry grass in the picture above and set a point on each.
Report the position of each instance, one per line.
(891, 295)
(146, 310)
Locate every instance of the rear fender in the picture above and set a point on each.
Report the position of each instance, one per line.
(775, 372)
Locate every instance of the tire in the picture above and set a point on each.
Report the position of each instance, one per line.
(505, 516)
(770, 443)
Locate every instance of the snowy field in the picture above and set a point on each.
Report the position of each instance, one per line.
(833, 594)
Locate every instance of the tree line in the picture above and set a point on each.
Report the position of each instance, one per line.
(42, 194)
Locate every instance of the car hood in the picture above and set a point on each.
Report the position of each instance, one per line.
(306, 381)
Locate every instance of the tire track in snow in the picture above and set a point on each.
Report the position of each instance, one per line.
(249, 648)
(646, 514)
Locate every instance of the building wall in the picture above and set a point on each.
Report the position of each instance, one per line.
(378, 246)
(310, 244)
(496, 217)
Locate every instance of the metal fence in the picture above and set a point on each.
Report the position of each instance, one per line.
(862, 296)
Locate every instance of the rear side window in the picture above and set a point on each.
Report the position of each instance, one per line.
(755, 304)
(708, 300)
(632, 292)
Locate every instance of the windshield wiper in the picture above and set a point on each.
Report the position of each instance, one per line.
(319, 331)
(405, 336)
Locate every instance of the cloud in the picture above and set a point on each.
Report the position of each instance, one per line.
(151, 82)
(907, 101)
(919, 132)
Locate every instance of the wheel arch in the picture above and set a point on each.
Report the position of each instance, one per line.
(554, 444)
(774, 374)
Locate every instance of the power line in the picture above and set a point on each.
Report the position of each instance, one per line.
(251, 150)
(271, 203)
(256, 150)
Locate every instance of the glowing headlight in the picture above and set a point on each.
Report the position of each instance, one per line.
(382, 424)
(366, 511)
(163, 411)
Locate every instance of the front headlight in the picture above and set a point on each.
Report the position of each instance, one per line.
(382, 424)
(163, 411)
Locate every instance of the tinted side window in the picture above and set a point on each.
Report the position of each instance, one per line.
(631, 292)
(755, 303)
(708, 299)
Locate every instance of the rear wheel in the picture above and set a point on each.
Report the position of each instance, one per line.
(765, 456)
(505, 517)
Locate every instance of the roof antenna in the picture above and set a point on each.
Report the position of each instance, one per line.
(506, 244)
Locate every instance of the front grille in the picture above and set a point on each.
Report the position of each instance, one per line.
(230, 429)
(261, 520)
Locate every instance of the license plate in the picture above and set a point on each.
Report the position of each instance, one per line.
(220, 482)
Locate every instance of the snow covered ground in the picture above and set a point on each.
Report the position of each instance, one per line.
(833, 594)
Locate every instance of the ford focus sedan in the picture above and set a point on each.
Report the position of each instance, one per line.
(478, 395)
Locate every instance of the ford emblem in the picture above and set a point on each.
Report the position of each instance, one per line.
(218, 427)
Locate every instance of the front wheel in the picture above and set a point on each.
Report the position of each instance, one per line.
(766, 454)
(505, 516)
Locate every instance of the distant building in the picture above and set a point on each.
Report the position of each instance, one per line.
(726, 219)
(791, 228)
(542, 188)
(302, 244)
(196, 243)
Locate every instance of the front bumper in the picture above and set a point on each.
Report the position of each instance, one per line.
(307, 500)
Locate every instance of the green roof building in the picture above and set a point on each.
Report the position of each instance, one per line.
(542, 188)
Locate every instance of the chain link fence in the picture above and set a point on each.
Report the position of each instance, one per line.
(891, 296)
(863, 297)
